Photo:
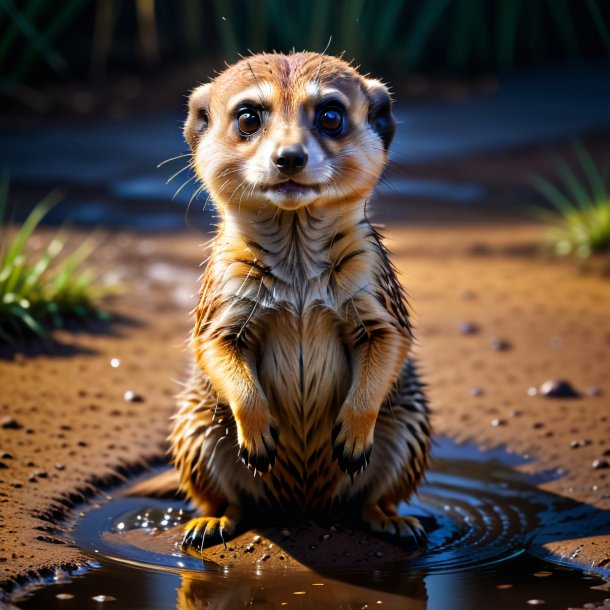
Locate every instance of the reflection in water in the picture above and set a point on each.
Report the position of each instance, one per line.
(304, 591)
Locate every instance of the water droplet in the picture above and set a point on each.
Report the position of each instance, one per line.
(103, 598)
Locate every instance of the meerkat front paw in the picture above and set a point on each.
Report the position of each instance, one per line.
(352, 439)
(257, 444)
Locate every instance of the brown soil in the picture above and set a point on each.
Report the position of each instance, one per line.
(70, 431)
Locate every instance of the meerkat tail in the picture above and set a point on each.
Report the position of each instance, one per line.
(164, 485)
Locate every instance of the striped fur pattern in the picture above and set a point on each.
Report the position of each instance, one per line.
(302, 372)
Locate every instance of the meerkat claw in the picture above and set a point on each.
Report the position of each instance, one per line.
(203, 532)
(258, 463)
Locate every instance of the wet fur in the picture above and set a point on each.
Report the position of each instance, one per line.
(302, 335)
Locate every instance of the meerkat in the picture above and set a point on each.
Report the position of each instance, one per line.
(303, 396)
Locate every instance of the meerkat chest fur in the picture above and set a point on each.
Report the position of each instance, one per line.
(295, 260)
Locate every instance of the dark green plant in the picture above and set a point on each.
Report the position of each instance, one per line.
(579, 223)
(36, 295)
(396, 35)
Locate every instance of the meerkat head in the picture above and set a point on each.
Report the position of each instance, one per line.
(289, 130)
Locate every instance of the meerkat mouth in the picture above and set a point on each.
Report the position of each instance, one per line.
(290, 187)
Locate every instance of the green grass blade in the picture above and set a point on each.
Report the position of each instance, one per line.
(573, 185)
(553, 195)
(560, 11)
(39, 44)
(30, 224)
(12, 31)
(54, 27)
(598, 21)
(596, 182)
(428, 17)
(388, 20)
(506, 32)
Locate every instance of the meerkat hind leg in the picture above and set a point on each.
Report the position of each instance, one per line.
(203, 532)
(389, 523)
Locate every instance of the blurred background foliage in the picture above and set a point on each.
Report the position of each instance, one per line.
(86, 39)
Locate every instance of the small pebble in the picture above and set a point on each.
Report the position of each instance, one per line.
(532, 391)
(131, 396)
(325, 537)
(256, 539)
(558, 388)
(64, 596)
(5, 455)
(499, 345)
(537, 425)
(594, 391)
(600, 464)
(115, 363)
(59, 466)
(498, 422)
(606, 453)
(476, 392)
(8, 423)
(249, 549)
(468, 328)
(536, 602)
(575, 444)
(515, 413)
(103, 598)
(265, 556)
(468, 295)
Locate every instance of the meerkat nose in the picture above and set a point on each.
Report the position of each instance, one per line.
(290, 160)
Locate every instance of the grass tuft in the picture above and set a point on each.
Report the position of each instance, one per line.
(39, 294)
(579, 223)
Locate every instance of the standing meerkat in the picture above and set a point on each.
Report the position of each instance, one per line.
(303, 397)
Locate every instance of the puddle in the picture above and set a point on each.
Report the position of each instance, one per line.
(486, 525)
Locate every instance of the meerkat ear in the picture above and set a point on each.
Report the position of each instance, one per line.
(198, 116)
(380, 111)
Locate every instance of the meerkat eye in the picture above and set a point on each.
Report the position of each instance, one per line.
(248, 120)
(331, 119)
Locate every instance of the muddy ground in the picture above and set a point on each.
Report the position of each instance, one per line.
(494, 320)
